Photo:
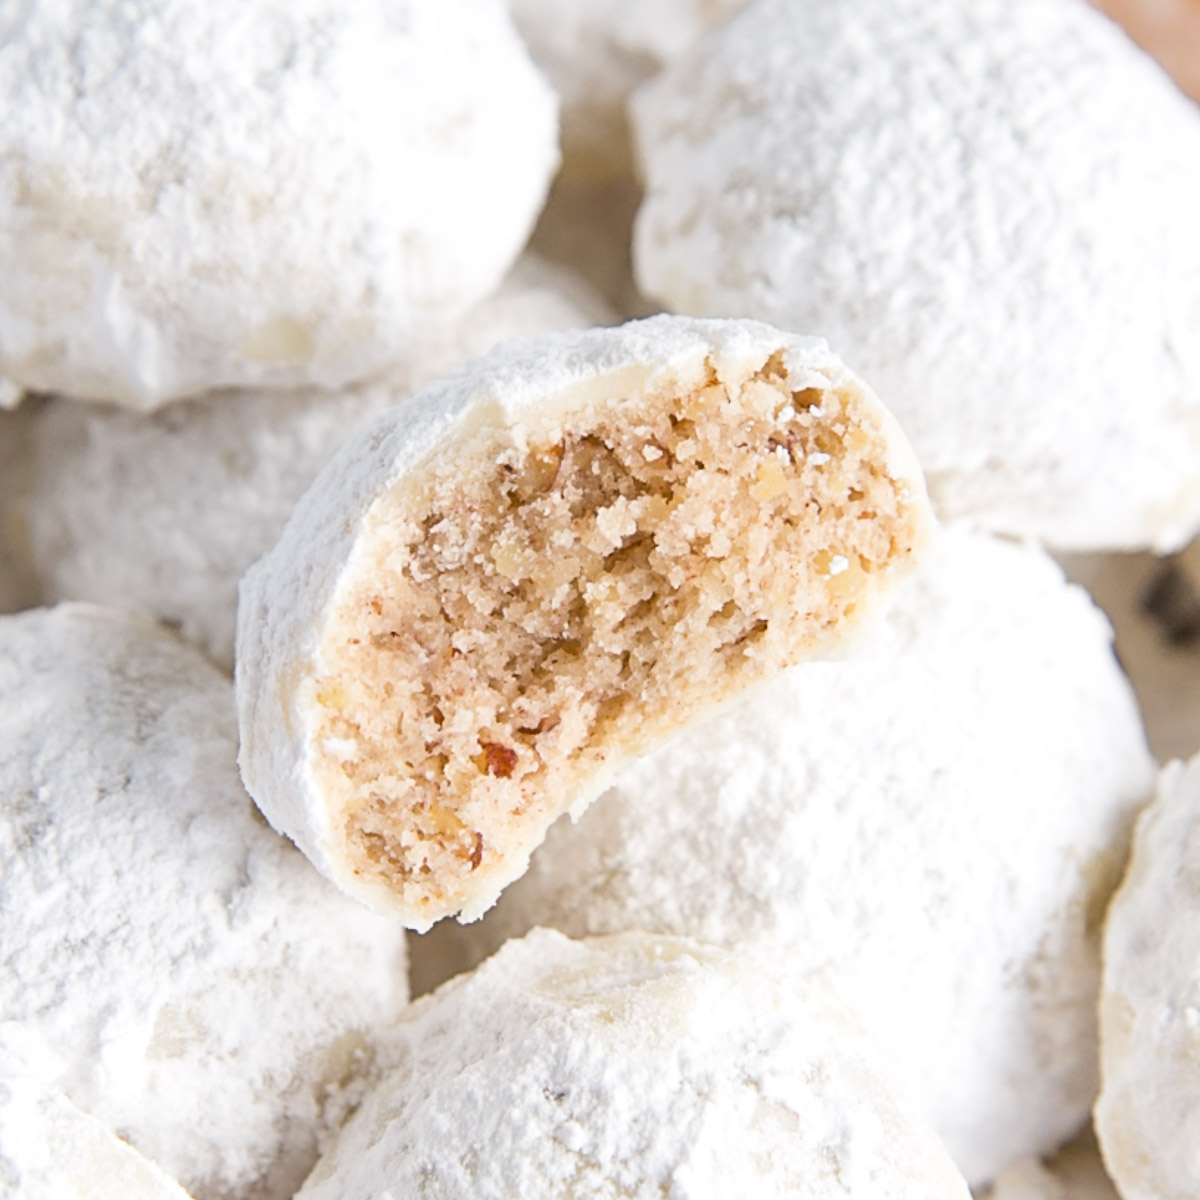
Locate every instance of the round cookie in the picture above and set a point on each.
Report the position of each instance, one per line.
(633, 1067)
(165, 511)
(492, 598)
(50, 1150)
(170, 964)
(937, 822)
(988, 208)
(283, 193)
(1148, 1114)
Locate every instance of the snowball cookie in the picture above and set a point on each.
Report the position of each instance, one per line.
(1148, 1114)
(489, 600)
(595, 52)
(51, 1150)
(169, 964)
(166, 511)
(197, 195)
(633, 1067)
(1154, 606)
(1075, 1173)
(988, 208)
(938, 822)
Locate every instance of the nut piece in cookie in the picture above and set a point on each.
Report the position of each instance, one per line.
(493, 598)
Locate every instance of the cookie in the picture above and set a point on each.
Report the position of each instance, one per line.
(196, 196)
(633, 1067)
(1148, 1113)
(561, 553)
(171, 966)
(988, 208)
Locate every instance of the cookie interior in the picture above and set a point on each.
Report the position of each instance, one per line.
(526, 609)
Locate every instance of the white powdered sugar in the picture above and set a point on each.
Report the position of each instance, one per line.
(51, 1150)
(210, 195)
(1148, 1114)
(170, 965)
(936, 822)
(165, 511)
(633, 1068)
(989, 208)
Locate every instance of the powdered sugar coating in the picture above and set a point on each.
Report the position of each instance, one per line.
(936, 821)
(173, 967)
(50, 1150)
(596, 52)
(196, 196)
(988, 208)
(288, 598)
(632, 1067)
(1148, 1114)
(164, 512)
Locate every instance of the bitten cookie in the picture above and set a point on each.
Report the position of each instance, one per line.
(989, 208)
(494, 597)
(633, 1067)
(1148, 1114)
(202, 195)
(170, 964)
(938, 822)
(165, 511)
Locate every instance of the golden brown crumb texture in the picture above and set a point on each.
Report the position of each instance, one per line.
(524, 609)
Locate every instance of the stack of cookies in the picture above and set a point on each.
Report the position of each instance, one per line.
(694, 713)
